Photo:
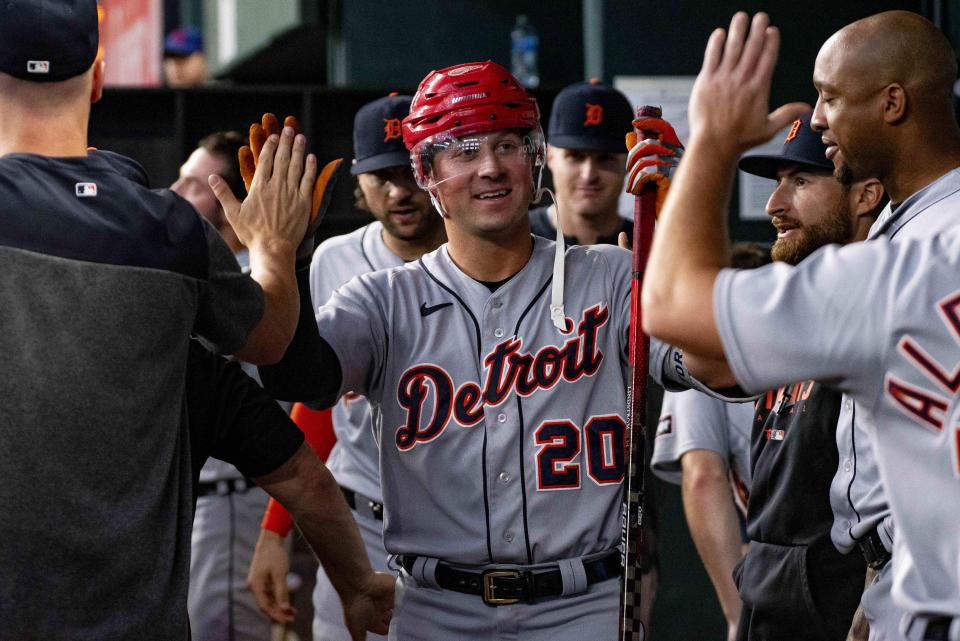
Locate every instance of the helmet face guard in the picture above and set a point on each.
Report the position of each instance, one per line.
(444, 156)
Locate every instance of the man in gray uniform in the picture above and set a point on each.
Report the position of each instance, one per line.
(498, 394)
(879, 320)
(927, 205)
(103, 281)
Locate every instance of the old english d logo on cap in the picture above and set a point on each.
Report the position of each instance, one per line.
(794, 130)
(594, 115)
(391, 129)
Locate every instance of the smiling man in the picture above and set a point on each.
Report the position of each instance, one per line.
(587, 160)
(878, 319)
(498, 395)
(793, 442)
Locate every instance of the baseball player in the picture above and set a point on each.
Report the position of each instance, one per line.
(405, 228)
(794, 436)
(703, 445)
(498, 400)
(587, 160)
(875, 319)
(229, 505)
(926, 205)
(103, 282)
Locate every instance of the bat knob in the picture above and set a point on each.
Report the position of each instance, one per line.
(649, 111)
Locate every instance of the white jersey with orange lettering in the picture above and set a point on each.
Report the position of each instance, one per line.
(889, 338)
(501, 437)
(354, 458)
(692, 420)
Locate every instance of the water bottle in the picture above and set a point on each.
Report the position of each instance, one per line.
(523, 53)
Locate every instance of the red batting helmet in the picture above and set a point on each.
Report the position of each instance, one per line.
(466, 99)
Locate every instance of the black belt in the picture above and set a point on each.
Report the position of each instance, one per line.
(224, 487)
(353, 499)
(506, 585)
(938, 629)
(873, 549)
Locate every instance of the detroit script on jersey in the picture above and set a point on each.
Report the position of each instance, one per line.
(509, 369)
(506, 434)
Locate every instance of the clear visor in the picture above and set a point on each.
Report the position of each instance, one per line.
(444, 157)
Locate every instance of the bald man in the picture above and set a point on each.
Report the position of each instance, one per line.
(884, 109)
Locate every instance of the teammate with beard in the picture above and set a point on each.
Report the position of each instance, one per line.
(406, 227)
(793, 582)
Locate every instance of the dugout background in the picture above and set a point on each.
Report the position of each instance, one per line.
(385, 46)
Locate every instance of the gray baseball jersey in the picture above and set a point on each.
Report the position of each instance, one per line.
(856, 495)
(692, 420)
(881, 322)
(354, 460)
(487, 415)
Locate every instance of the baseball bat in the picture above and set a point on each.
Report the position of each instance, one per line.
(644, 217)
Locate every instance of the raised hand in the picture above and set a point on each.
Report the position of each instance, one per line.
(249, 156)
(730, 98)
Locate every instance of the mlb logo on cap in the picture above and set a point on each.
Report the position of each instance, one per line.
(38, 66)
(47, 40)
(85, 190)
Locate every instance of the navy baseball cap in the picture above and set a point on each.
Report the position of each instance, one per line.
(183, 42)
(802, 145)
(48, 40)
(377, 139)
(592, 116)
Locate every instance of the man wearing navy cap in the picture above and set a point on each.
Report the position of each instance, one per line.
(103, 282)
(794, 583)
(406, 227)
(184, 63)
(587, 159)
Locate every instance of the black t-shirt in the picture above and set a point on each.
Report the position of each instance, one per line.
(231, 418)
(541, 224)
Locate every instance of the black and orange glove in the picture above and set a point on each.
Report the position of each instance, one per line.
(654, 158)
(322, 188)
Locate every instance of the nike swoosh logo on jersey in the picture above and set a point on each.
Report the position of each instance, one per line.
(426, 311)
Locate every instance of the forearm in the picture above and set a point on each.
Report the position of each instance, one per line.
(273, 268)
(309, 370)
(711, 516)
(311, 494)
(689, 249)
